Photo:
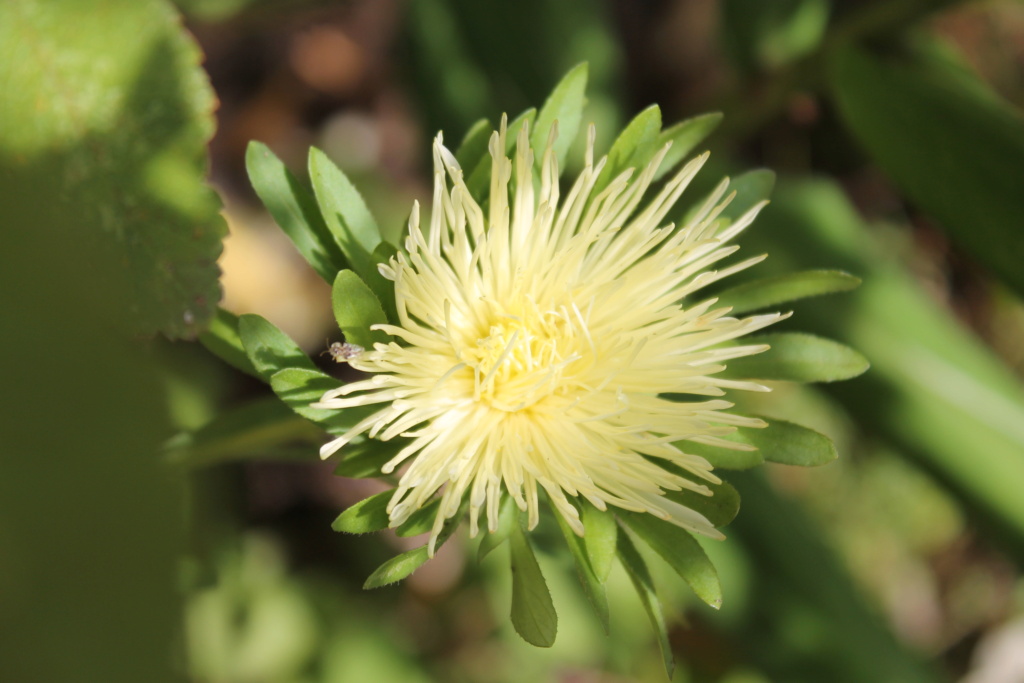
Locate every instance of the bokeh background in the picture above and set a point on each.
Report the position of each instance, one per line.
(894, 129)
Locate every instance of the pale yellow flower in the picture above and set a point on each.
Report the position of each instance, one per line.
(535, 342)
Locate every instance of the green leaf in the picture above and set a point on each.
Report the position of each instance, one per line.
(641, 577)
(356, 308)
(751, 188)
(363, 459)
(790, 444)
(772, 291)
(798, 357)
(251, 431)
(507, 518)
(222, 340)
(682, 552)
(593, 587)
(421, 521)
(763, 36)
(633, 148)
(479, 180)
(352, 225)
(299, 387)
(724, 458)
(366, 516)
(946, 141)
(106, 116)
(600, 538)
(295, 210)
(401, 566)
(564, 105)
(474, 145)
(533, 613)
(268, 348)
(684, 136)
(719, 508)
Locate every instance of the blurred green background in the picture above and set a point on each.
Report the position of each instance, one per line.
(895, 132)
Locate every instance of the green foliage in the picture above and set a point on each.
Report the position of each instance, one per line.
(768, 35)
(110, 111)
(564, 106)
(684, 136)
(633, 148)
(268, 348)
(221, 339)
(798, 357)
(593, 585)
(769, 292)
(533, 613)
(790, 444)
(948, 143)
(601, 538)
(644, 584)
(368, 515)
(508, 517)
(356, 309)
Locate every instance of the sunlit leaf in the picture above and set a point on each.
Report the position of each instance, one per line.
(564, 105)
(222, 340)
(633, 148)
(798, 357)
(356, 308)
(401, 566)
(268, 348)
(299, 387)
(600, 539)
(368, 515)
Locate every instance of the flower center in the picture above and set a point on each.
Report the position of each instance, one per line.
(521, 359)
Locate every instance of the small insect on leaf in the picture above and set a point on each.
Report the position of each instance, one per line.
(343, 352)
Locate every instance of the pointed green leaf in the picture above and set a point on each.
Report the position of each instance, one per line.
(421, 521)
(473, 147)
(724, 458)
(564, 105)
(299, 387)
(682, 552)
(356, 308)
(269, 349)
(479, 180)
(385, 289)
(349, 220)
(684, 136)
(364, 459)
(401, 566)
(533, 613)
(222, 340)
(798, 357)
(644, 584)
(593, 587)
(507, 518)
(772, 291)
(747, 190)
(791, 444)
(947, 141)
(294, 209)
(719, 508)
(633, 148)
(368, 515)
(600, 539)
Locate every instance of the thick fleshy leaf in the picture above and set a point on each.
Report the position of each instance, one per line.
(473, 147)
(222, 340)
(299, 387)
(366, 516)
(533, 613)
(644, 584)
(478, 179)
(684, 136)
(633, 148)
(682, 552)
(790, 444)
(401, 566)
(564, 105)
(255, 430)
(508, 516)
(294, 208)
(105, 115)
(779, 289)
(268, 348)
(593, 587)
(600, 538)
(948, 142)
(356, 308)
(797, 357)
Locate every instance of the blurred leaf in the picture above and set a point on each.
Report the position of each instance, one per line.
(269, 349)
(772, 291)
(533, 613)
(565, 106)
(109, 108)
(363, 459)
(600, 539)
(222, 340)
(633, 148)
(299, 387)
(719, 508)
(421, 521)
(356, 308)
(682, 552)
(790, 444)
(366, 516)
(593, 587)
(253, 430)
(644, 584)
(766, 35)
(951, 149)
(684, 136)
(479, 181)
(724, 458)
(401, 566)
(798, 357)
(507, 518)
(473, 147)
(295, 210)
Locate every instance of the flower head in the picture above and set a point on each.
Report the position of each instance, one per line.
(537, 338)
